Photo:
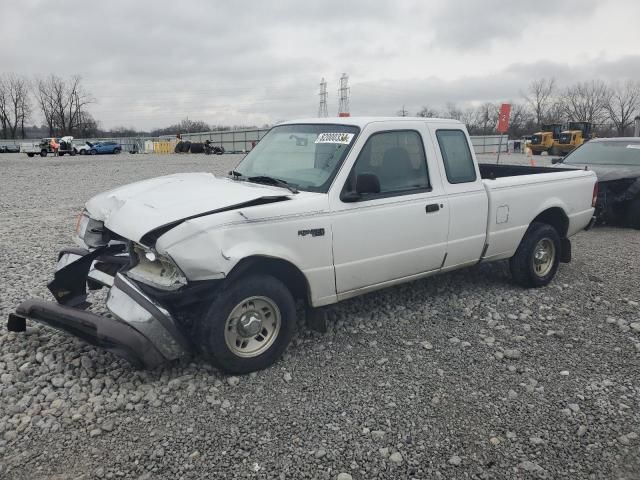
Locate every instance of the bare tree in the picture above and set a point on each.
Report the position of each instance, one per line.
(540, 97)
(623, 103)
(14, 104)
(487, 117)
(62, 103)
(452, 111)
(427, 112)
(520, 120)
(586, 101)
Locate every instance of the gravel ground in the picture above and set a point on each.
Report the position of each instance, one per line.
(463, 375)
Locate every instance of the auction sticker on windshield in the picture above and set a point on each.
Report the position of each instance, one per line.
(343, 138)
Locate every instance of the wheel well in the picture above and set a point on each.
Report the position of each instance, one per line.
(556, 218)
(283, 270)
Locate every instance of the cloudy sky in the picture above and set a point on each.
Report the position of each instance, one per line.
(152, 63)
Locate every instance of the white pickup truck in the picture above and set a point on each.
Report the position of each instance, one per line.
(321, 210)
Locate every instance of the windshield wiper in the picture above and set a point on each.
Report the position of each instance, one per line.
(273, 181)
(235, 174)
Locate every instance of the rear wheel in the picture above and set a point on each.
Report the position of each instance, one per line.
(633, 214)
(536, 261)
(30, 155)
(248, 325)
(73, 152)
(116, 151)
(43, 153)
(82, 152)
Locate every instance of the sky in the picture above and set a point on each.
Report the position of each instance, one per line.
(149, 64)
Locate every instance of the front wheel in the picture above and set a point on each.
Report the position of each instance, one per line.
(82, 152)
(116, 151)
(93, 151)
(536, 261)
(30, 155)
(43, 153)
(248, 325)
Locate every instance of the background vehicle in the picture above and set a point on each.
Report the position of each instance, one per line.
(321, 210)
(43, 147)
(105, 147)
(211, 149)
(573, 137)
(9, 148)
(543, 141)
(616, 162)
(66, 146)
(84, 149)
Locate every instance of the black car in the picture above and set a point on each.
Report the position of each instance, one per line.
(9, 149)
(616, 162)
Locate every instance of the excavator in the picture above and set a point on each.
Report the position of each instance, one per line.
(574, 136)
(545, 139)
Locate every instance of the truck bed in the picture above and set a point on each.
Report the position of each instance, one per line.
(491, 171)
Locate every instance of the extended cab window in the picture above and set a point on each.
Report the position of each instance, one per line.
(458, 162)
(396, 158)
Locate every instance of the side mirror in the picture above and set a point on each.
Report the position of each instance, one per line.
(366, 183)
(556, 160)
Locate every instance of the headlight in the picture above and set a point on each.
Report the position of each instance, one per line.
(90, 231)
(156, 270)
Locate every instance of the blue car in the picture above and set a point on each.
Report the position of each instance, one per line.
(105, 147)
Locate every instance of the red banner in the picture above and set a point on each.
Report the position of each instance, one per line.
(503, 119)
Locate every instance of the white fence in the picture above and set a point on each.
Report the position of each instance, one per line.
(238, 141)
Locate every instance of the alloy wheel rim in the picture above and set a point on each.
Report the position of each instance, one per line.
(252, 326)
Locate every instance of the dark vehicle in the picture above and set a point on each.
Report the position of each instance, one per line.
(211, 149)
(616, 162)
(9, 149)
(105, 147)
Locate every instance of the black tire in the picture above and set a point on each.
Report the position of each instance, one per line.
(30, 155)
(117, 151)
(82, 152)
(523, 264)
(178, 148)
(73, 152)
(186, 146)
(93, 151)
(210, 332)
(633, 214)
(43, 153)
(61, 154)
(197, 148)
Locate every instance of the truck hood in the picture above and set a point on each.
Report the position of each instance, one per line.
(136, 209)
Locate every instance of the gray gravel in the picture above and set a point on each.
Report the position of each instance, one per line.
(537, 383)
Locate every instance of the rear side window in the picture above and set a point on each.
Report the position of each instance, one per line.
(458, 162)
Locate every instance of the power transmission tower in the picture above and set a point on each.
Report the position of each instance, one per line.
(403, 112)
(322, 109)
(343, 108)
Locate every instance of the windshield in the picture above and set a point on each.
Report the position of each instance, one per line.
(305, 156)
(606, 153)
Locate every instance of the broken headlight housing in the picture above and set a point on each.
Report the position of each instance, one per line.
(91, 232)
(155, 270)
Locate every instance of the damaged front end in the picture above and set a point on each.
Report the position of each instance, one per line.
(615, 199)
(140, 329)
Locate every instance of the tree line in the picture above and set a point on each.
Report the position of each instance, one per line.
(63, 105)
(611, 107)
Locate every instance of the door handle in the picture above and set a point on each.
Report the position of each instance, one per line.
(432, 207)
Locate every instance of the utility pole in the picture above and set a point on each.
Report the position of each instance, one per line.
(322, 109)
(343, 91)
(403, 113)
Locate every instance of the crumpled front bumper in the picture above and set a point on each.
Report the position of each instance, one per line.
(141, 330)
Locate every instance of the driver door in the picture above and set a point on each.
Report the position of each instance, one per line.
(399, 232)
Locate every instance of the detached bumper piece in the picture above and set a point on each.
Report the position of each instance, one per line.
(108, 333)
(141, 331)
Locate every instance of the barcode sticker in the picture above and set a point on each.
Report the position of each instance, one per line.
(342, 138)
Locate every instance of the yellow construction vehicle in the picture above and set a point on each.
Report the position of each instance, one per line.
(574, 136)
(544, 140)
